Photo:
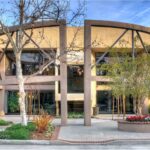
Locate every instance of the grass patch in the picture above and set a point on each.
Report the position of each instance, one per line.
(4, 123)
(17, 131)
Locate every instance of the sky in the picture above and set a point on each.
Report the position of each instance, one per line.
(130, 11)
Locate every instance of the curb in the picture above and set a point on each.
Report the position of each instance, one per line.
(30, 142)
(104, 142)
(67, 142)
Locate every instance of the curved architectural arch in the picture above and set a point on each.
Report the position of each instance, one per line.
(113, 24)
(39, 24)
(88, 24)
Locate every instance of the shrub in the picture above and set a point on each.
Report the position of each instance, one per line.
(21, 133)
(4, 135)
(42, 121)
(138, 118)
(17, 131)
(15, 127)
(75, 115)
(50, 129)
(31, 126)
(4, 123)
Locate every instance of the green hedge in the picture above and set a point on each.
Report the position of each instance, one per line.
(17, 131)
(75, 115)
(4, 123)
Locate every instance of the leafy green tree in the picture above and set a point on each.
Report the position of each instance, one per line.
(130, 77)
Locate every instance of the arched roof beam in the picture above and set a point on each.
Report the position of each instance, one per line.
(113, 24)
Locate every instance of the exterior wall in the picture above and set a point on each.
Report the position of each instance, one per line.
(48, 38)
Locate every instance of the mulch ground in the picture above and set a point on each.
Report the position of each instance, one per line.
(45, 136)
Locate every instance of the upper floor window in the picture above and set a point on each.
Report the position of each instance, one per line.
(30, 61)
(106, 59)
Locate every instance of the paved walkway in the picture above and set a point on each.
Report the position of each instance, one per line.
(100, 131)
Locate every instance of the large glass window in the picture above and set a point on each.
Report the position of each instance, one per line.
(106, 59)
(31, 62)
(75, 79)
(105, 102)
(35, 102)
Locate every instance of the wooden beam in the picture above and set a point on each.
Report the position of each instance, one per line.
(142, 41)
(50, 23)
(100, 78)
(73, 97)
(36, 79)
(87, 75)
(121, 25)
(4, 50)
(31, 87)
(63, 73)
(133, 48)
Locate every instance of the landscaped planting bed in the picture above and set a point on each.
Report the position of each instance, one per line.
(135, 124)
(40, 128)
(4, 123)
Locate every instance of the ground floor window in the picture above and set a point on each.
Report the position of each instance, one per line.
(35, 102)
(105, 103)
(75, 109)
(12, 102)
(75, 80)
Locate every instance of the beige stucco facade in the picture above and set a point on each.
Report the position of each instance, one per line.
(48, 38)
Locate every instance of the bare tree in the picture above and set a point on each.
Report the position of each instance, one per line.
(31, 11)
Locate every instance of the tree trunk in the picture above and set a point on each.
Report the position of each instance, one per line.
(21, 89)
(139, 110)
(140, 103)
(118, 106)
(113, 108)
(124, 107)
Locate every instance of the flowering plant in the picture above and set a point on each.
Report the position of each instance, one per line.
(135, 118)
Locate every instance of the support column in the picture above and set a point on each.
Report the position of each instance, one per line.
(56, 92)
(2, 100)
(87, 75)
(133, 48)
(93, 84)
(63, 73)
(2, 90)
(6, 102)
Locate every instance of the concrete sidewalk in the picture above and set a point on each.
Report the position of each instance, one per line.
(101, 131)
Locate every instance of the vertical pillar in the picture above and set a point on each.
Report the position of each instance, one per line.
(56, 92)
(93, 83)
(2, 90)
(63, 72)
(5, 102)
(2, 100)
(133, 49)
(87, 74)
